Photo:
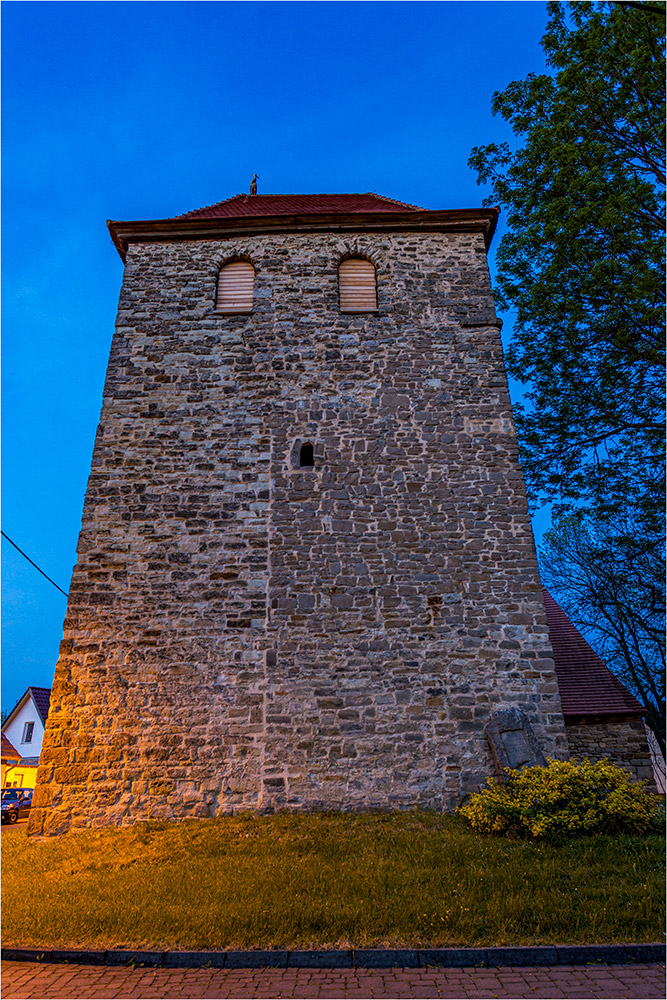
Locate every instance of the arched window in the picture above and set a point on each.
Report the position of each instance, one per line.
(356, 285)
(236, 284)
(306, 455)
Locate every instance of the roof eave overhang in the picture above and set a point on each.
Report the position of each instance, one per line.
(17, 708)
(465, 220)
(38, 710)
(601, 714)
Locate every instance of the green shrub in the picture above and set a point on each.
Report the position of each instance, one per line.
(563, 799)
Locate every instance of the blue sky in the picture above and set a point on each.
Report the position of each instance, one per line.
(147, 110)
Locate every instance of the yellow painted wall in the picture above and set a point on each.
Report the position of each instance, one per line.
(3, 771)
(18, 777)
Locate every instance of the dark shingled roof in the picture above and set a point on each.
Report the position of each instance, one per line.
(586, 686)
(42, 698)
(8, 749)
(298, 204)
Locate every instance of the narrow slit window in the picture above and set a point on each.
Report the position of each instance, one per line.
(357, 286)
(236, 286)
(306, 456)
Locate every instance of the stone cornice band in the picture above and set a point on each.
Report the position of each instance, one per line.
(471, 220)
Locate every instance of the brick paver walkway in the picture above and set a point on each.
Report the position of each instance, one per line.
(27, 980)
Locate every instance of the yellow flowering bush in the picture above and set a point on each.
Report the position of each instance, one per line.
(564, 798)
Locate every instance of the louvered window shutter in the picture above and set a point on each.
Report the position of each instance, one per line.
(356, 282)
(236, 283)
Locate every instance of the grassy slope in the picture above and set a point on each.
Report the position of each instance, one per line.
(332, 880)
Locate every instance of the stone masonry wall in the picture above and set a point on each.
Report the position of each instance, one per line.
(620, 739)
(243, 633)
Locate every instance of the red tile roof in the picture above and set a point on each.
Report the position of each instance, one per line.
(282, 213)
(298, 204)
(586, 686)
(42, 698)
(8, 750)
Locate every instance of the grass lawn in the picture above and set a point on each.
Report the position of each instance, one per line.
(409, 879)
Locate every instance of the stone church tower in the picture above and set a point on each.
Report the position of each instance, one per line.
(306, 576)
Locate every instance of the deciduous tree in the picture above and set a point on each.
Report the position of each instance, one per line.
(610, 579)
(582, 260)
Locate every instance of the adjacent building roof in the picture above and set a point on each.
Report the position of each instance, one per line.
(586, 686)
(41, 698)
(8, 749)
(249, 214)
(299, 204)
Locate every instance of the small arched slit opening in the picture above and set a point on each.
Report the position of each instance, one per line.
(306, 455)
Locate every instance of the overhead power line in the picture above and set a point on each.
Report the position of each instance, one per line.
(645, 8)
(33, 563)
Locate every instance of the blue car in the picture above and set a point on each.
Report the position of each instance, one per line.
(16, 803)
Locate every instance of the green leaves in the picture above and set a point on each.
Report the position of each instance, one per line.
(582, 265)
(563, 799)
(581, 262)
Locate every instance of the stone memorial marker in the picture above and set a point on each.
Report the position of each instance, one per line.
(513, 742)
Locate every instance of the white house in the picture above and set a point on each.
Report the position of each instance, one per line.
(24, 728)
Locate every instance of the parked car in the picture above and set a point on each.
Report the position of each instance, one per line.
(16, 803)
